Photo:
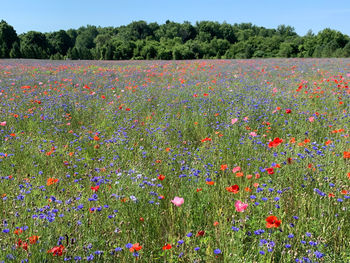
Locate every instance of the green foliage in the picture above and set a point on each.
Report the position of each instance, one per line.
(59, 42)
(172, 40)
(8, 37)
(34, 45)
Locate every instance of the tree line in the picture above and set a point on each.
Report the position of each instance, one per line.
(171, 40)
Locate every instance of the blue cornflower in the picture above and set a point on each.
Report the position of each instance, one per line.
(217, 251)
(128, 245)
(236, 229)
(318, 254)
(312, 243)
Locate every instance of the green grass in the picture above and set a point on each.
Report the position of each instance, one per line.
(151, 118)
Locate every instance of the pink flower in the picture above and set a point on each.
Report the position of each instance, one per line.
(240, 206)
(311, 119)
(253, 134)
(233, 121)
(3, 123)
(236, 169)
(178, 201)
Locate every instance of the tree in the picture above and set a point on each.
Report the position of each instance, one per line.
(328, 35)
(198, 48)
(329, 49)
(308, 45)
(140, 40)
(15, 51)
(150, 50)
(168, 30)
(85, 39)
(181, 51)
(123, 49)
(218, 47)
(34, 45)
(139, 30)
(8, 37)
(73, 53)
(59, 42)
(288, 49)
(286, 31)
(228, 33)
(164, 53)
(346, 50)
(207, 30)
(187, 31)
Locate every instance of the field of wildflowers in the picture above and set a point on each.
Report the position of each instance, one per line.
(175, 161)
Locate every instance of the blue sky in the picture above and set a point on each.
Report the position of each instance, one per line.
(51, 15)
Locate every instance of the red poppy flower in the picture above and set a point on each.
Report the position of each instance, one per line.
(167, 246)
(277, 141)
(51, 181)
(95, 188)
(33, 239)
(200, 233)
(270, 170)
(206, 139)
(223, 167)
(25, 246)
(233, 189)
(288, 111)
(56, 251)
(331, 195)
(272, 221)
(19, 243)
(161, 177)
(18, 231)
(135, 247)
(346, 155)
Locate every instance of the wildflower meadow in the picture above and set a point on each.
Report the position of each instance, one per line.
(175, 161)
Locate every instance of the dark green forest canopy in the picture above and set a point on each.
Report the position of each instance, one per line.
(142, 40)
